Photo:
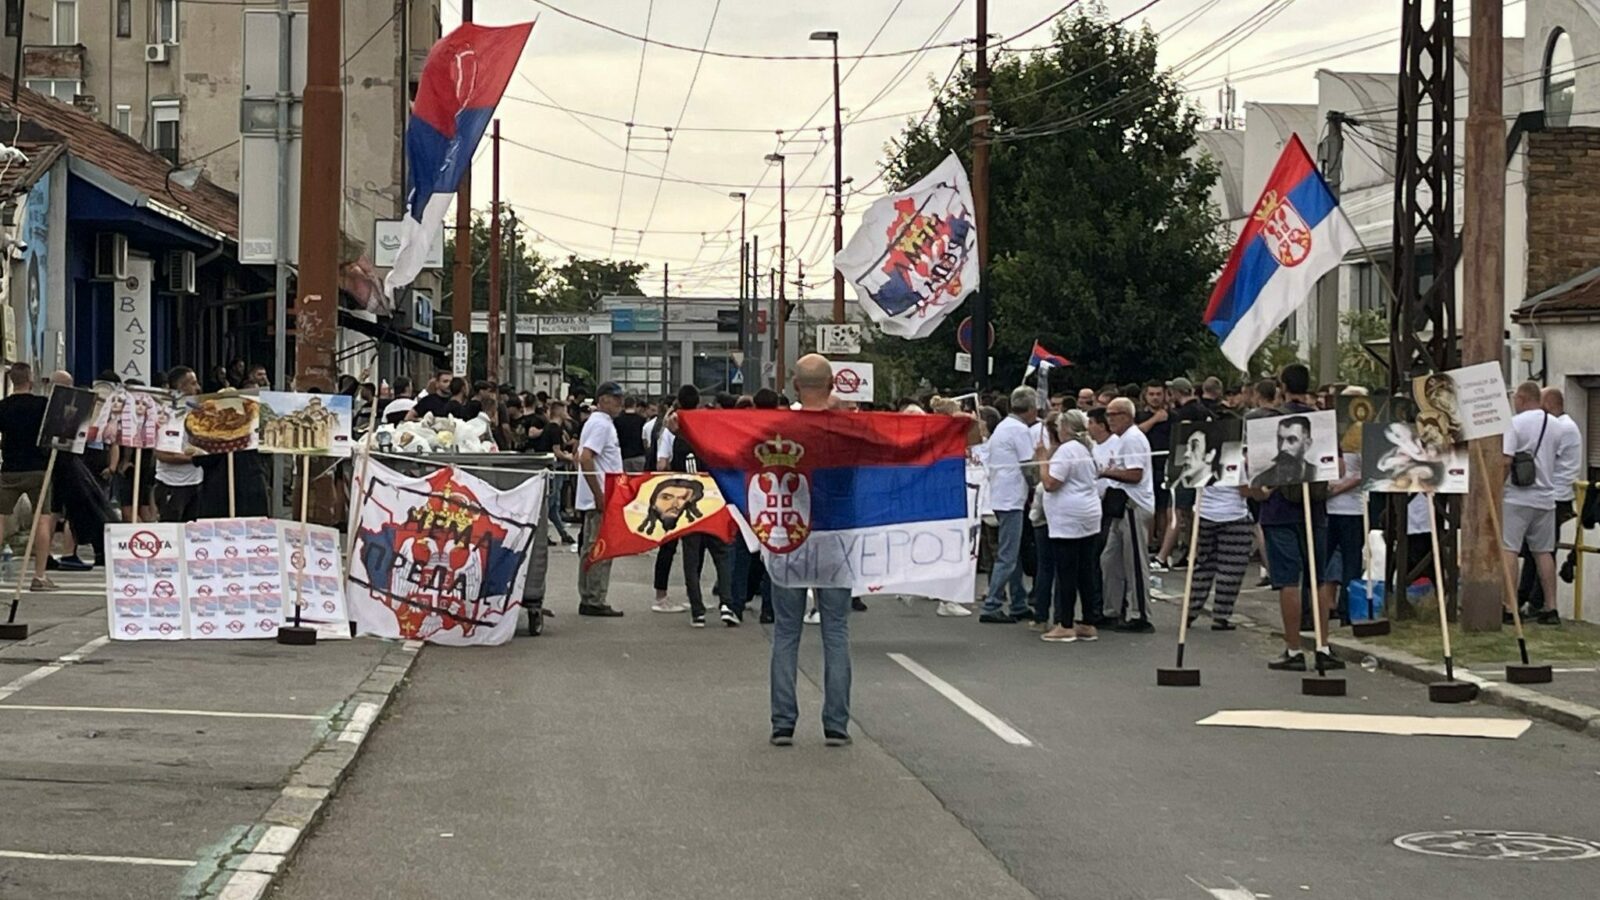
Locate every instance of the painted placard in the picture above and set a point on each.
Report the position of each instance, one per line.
(305, 424)
(1298, 448)
(212, 423)
(225, 591)
(144, 583)
(852, 381)
(1395, 461)
(1461, 405)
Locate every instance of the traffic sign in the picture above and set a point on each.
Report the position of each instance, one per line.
(964, 335)
(852, 381)
(458, 354)
(964, 363)
(840, 339)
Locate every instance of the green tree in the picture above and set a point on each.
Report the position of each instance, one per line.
(1356, 364)
(1103, 242)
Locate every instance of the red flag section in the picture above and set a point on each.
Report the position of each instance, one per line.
(645, 510)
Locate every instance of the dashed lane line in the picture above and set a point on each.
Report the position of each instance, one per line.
(971, 707)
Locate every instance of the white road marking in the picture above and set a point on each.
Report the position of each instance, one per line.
(87, 857)
(966, 704)
(412, 646)
(49, 669)
(1440, 726)
(354, 732)
(203, 713)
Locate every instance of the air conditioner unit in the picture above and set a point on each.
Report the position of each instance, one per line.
(180, 271)
(110, 257)
(156, 54)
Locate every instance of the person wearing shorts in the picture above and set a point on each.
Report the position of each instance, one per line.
(1530, 509)
(23, 463)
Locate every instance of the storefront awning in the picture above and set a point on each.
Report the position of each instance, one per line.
(381, 330)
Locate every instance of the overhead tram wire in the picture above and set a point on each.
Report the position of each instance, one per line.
(638, 82)
(682, 111)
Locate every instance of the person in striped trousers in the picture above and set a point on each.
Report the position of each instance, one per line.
(1227, 535)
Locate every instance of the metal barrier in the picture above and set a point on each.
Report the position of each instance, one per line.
(1579, 545)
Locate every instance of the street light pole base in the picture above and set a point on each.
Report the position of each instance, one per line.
(13, 631)
(1178, 677)
(1529, 674)
(297, 635)
(1322, 686)
(1452, 692)
(1370, 628)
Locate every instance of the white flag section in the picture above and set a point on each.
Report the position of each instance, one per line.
(915, 256)
(441, 558)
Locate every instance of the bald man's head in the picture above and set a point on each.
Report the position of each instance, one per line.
(61, 377)
(1553, 401)
(813, 380)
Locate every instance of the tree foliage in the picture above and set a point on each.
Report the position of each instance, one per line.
(1103, 242)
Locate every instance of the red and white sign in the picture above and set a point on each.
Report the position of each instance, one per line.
(143, 582)
(852, 381)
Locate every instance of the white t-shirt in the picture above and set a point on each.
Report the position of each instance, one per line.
(1524, 436)
(1222, 504)
(1417, 515)
(1073, 510)
(645, 432)
(1349, 502)
(179, 474)
(1011, 445)
(663, 449)
(1103, 454)
(1133, 452)
(600, 438)
(1569, 455)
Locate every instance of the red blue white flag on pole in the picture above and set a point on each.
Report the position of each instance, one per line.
(1044, 359)
(462, 80)
(1296, 234)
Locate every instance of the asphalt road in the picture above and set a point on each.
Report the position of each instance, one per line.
(628, 758)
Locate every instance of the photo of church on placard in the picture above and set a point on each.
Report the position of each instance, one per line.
(307, 424)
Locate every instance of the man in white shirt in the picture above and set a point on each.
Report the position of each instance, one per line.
(1122, 563)
(599, 453)
(1530, 509)
(1010, 448)
(1568, 469)
(178, 479)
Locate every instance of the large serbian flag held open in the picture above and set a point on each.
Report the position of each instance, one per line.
(462, 80)
(875, 502)
(1295, 236)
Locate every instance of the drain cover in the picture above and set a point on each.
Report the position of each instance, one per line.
(1515, 846)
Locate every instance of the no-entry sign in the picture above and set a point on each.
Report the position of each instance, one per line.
(853, 381)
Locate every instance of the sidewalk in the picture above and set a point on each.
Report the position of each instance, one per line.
(628, 758)
(155, 769)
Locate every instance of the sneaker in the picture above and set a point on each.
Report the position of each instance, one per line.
(1327, 661)
(836, 738)
(1549, 617)
(1289, 662)
(1223, 625)
(1265, 582)
(698, 620)
(567, 538)
(664, 605)
(730, 618)
(1059, 635)
(74, 564)
(43, 584)
(946, 608)
(1025, 615)
(555, 541)
(601, 610)
(857, 605)
(1038, 626)
(1136, 626)
(766, 617)
(1086, 632)
(813, 618)
(996, 618)
(1157, 565)
(572, 548)
(781, 737)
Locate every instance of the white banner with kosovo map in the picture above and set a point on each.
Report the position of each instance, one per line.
(442, 557)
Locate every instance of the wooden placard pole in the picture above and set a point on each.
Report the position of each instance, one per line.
(138, 460)
(11, 629)
(232, 492)
(298, 633)
(1527, 672)
(1179, 676)
(1322, 685)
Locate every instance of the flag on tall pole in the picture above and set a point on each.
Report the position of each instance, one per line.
(1043, 360)
(1296, 234)
(462, 81)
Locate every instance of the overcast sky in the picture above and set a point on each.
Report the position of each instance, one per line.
(589, 71)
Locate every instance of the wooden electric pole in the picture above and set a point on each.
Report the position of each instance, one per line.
(980, 199)
(493, 345)
(1483, 308)
(321, 195)
(460, 309)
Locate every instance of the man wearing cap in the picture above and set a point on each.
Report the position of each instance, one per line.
(599, 454)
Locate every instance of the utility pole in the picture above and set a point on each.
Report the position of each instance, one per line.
(460, 310)
(838, 176)
(666, 357)
(783, 257)
(755, 289)
(980, 199)
(511, 302)
(494, 345)
(321, 196)
(283, 102)
(1482, 592)
(1327, 308)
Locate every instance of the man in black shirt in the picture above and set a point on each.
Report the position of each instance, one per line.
(630, 434)
(22, 463)
(435, 399)
(1154, 420)
(1185, 408)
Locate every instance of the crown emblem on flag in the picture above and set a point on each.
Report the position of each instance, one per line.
(1270, 201)
(779, 452)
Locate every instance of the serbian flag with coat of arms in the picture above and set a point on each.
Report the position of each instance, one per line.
(874, 502)
(1296, 234)
(462, 80)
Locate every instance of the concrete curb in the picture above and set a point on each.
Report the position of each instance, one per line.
(248, 869)
(1572, 716)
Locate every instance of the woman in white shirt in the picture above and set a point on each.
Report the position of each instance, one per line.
(1227, 535)
(1072, 515)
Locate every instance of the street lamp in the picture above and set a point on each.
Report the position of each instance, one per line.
(783, 254)
(838, 174)
(746, 308)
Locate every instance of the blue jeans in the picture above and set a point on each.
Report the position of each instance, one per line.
(745, 566)
(1008, 565)
(789, 608)
(1044, 579)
